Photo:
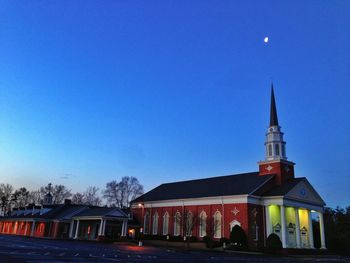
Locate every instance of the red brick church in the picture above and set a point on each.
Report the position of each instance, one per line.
(271, 200)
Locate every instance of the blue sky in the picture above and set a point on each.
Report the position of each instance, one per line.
(91, 91)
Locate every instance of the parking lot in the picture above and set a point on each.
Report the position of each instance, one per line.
(24, 249)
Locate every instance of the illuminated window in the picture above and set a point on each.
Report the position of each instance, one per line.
(177, 224)
(202, 224)
(146, 223)
(189, 224)
(41, 228)
(217, 224)
(89, 230)
(166, 223)
(155, 223)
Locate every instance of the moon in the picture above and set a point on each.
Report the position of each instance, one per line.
(266, 39)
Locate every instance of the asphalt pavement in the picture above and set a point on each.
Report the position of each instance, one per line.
(24, 249)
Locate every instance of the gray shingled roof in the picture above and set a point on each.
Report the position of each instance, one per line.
(284, 188)
(102, 211)
(215, 186)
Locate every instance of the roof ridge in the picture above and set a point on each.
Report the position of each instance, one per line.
(208, 178)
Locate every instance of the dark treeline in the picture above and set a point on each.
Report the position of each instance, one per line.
(115, 194)
(337, 230)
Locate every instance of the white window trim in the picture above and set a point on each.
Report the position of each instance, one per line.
(177, 214)
(155, 224)
(166, 223)
(216, 228)
(203, 215)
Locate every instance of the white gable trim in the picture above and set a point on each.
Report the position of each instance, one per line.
(309, 196)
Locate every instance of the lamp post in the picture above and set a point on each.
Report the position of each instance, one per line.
(142, 220)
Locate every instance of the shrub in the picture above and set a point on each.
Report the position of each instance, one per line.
(208, 241)
(192, 239)
(176, 238)
(224, 240)
(238, 237)
(273, 242)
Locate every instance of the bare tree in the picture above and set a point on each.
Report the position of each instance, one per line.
(120, 194)
(190, 222)
(6, 191)
(20, 197)
(78, 199)
(130, 188)
(59, 192)
(112, 194)
(92, 197)
(35, 197)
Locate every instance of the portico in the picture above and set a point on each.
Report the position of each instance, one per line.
(293, 224)
(97, 223)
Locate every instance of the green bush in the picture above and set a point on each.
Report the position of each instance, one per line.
(192, 239)
(176, 238)
(273, 242)
(208, 241)
(238, 237)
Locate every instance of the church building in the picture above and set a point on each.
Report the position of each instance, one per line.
(270, 200)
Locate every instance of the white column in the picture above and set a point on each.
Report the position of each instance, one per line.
(76, 230)
(33, 228)
(25, 228)
(71, 226)
(100, 228)
(122, 233)
(297, 227)
(126, 227)
(267, 221)
(323, 240)
(103, 227)
(311, 234)
(283, 227)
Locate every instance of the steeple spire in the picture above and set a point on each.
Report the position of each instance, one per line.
(275, 146)
(275, 162)
(273, 111)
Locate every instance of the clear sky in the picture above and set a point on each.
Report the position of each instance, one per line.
(91, 91)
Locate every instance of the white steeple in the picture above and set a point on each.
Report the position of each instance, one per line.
(274, 144)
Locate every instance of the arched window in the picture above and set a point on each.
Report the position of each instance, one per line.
(217, 224)
(166, 223)
(189, 223)
(177, 224)
(146, 223)
(233, 223)
(202, 224)
(270, 150)
(155, 224)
